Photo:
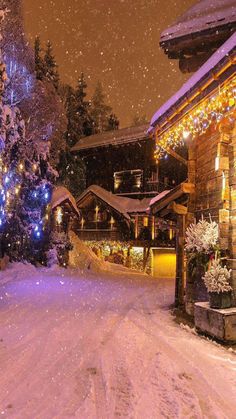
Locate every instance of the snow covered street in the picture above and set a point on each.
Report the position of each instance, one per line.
(104, 347)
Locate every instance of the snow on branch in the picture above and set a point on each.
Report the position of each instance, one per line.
(202, 237)
(217, 278)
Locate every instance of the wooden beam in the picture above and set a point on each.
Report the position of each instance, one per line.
(175, 208)
(179, 283)
(183, 188)
(164, 212)
(177, 156)
(146, 253)
(178, 208)
(193, 63)
(188, 187)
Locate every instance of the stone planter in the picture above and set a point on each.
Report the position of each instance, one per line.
(220, 300)
(195, 288)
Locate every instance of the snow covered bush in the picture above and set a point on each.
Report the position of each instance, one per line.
(202, 237)
(201, 244)
(217, 278)
(58, 253)
(52, 257)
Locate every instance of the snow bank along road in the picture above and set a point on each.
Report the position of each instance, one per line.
(90, 347)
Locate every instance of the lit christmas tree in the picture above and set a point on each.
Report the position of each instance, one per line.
(25, 181)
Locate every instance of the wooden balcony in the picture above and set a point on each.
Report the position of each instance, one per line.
(99, 234)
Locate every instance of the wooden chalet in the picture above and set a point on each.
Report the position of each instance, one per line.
(202, 114)
(64, 210)
(122, 162)
(65, 216)
(199, 32)
(118, 222)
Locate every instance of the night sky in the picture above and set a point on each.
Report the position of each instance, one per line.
(115, 41)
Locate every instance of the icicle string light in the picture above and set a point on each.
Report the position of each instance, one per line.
(20, 82)
(197, 121)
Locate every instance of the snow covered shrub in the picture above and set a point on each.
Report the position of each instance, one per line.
(59, 251)
(217, 278)
(52, 257)
(202, 237)
(201, 244)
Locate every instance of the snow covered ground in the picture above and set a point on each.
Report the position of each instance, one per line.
(101, 346)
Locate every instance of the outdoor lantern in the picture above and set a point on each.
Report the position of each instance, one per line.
(112, 222)
(59, 215)
(96, 213)
(82, 223)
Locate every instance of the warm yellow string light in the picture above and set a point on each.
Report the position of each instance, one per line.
(197, 121)
(21, 167)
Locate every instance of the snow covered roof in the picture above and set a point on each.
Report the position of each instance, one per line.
(167, 197)
(225, 53)
(59, 195)
(205, 15)
(158, 197)
(125, 206)
(116, 137)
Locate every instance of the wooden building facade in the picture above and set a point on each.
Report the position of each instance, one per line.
(123, 180)
(202, 113)
(65, 212)
(122, 162)
(65, 215)
(118, 223)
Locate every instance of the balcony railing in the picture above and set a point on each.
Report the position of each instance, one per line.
(99, 234)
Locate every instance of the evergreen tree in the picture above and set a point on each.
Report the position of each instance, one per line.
(100, 111)
(40, 69)
(25, 187)
(80, 122)
(139, 120)
(113, 122)
(65, 91)
(51, 71)
(71, 169)
(82, 109)
(69, 101)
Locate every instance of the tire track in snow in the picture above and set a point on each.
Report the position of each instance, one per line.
(93, 364)
(210, 400)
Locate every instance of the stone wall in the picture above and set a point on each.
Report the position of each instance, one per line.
(211, 167)
(232, 204)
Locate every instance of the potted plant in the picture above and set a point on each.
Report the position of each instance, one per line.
(217, 280)
(202, 239)
(200, 246)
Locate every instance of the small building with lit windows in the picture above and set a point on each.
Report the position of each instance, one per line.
(64, 211)
(122, 179)
(122, 228)
(64, 217)
(123, 163)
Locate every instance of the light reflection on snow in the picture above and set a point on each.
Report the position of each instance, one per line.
(222, 359)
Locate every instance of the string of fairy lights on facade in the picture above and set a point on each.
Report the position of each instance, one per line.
(196, 122)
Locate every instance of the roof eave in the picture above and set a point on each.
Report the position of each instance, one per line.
(184, 102)
(184, 188)
(166, 41)
(91, 192)
(78, 148)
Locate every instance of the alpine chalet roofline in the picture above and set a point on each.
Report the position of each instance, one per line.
(219, 67)
(112, 138)
(194, 37)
